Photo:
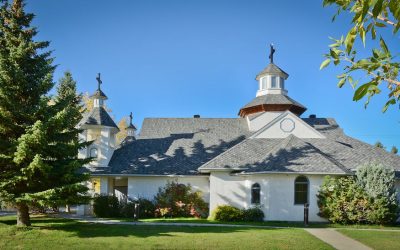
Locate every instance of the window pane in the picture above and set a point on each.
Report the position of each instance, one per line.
(273, 81)
(255, 194)
(93, 152)
(301, 190)
(264, 83)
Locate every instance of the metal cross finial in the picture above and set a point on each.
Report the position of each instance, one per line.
(271, 54)
(99, 81)
(131, 117)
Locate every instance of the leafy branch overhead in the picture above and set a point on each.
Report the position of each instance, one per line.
(370, 17)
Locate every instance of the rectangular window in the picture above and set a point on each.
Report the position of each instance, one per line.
(264, 83)
(282, 83)
(274, 82)
(301, 193)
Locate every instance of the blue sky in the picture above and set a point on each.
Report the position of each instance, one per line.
(180, 58)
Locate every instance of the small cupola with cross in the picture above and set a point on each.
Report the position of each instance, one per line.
(98, 96)
(272, 95)
(131, 129)
(272, 79)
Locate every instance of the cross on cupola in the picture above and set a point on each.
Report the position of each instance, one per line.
(99, 81)
(272, 79)
(98, 96)
(271, 54)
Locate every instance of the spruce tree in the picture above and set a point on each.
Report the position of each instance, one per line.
(62, 131)
(38, 138)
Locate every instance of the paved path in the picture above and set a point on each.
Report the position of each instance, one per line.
(336, 239)
(3, 213)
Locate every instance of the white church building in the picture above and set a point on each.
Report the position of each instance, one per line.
(269, 156)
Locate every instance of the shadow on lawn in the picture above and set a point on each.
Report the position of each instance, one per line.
(92, 230)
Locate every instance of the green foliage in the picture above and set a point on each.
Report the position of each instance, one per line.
(106, 206)
(38, 138)
(379, 182)
(178, 200)
(373, 17)
(146, 208)
(230, 213)
(394, 150)
(253, 214)
(368, 197)
(227, 213)
(379, 144)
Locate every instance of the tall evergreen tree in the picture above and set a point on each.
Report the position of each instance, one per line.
(38, 138)
(65, 115)
(394, 150)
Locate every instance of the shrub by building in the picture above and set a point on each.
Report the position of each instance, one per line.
(232, 214)
(368, 197)
(179, 200)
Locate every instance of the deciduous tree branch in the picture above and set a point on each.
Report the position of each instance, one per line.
(384, 19)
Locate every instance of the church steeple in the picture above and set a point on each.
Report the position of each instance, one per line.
(272, 95)
(97, 126)
(131, 129)
(98, 97)
(131, 132)
(272, 79)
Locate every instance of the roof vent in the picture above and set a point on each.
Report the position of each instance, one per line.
(196, 116)
(313, 116)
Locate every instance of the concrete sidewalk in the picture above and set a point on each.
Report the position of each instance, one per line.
(336, 239)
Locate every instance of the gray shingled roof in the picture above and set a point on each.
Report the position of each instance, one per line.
(337, 153)
(270, 99)
(98, 116)
(272, 69)
(168, 146)
(183, 146)
(99, 94)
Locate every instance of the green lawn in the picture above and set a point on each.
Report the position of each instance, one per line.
(267, 223)
(50, 233)
(384, 240)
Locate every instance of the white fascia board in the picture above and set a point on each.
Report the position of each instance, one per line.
(146, 175)
(294, 173)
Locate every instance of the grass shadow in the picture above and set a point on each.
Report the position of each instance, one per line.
(93, 230)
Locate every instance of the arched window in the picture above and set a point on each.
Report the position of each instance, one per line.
(255, 193)
(93, 152)
(301, 190)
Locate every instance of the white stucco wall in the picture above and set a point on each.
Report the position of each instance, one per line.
(277, 194)
(147, 186)
(258, 122)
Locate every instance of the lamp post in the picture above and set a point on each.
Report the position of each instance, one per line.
(306, 205)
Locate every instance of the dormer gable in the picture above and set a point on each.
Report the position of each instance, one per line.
(287, 124)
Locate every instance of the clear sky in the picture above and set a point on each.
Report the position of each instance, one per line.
(180, 58)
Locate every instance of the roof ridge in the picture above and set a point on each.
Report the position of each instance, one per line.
(326, 156)
(281, 144)
(223, 153)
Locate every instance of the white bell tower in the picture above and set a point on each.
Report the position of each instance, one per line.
(98, 127)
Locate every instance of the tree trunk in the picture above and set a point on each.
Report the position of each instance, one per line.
(23, 219)
(67, 209)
